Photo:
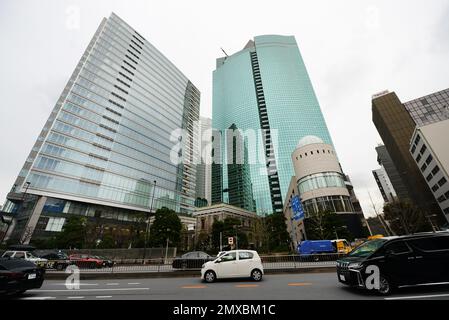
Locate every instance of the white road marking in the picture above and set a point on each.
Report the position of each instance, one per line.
(75, 297)
(133, 283)
(92, 290)
(112, 284)
(103, 297)
(38, 298)
(81, 284)
(419, 297)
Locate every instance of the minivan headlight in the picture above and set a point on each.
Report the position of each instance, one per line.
(355, 266)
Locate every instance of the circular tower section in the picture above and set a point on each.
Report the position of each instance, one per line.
(319, 177)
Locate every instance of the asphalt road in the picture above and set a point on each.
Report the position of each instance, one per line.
(322, 286)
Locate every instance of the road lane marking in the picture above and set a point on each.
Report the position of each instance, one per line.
(92, 290)
(299, 284)
(81, 284)
(38, 298)
(194, 287)
(78, 297)
(112, 284)
(419, 297)
(247, 286)
(103, 297)
(133, 283)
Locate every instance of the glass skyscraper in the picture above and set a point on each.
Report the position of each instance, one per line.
(108, 144)
(265, 87)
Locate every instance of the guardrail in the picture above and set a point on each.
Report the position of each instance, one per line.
(284, 262)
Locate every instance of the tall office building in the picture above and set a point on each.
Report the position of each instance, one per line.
(265, 91)
(204, 169)
(396, 122)
(110, 137)
(384, 185)
(384, 159)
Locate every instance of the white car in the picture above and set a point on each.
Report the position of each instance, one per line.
(25, 255)
(233, 264)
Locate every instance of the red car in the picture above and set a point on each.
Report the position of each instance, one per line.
(86, 261)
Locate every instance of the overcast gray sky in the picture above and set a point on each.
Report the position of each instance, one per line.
(352, 49)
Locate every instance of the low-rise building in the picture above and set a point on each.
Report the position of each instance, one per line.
(205, 218)
(429, 149)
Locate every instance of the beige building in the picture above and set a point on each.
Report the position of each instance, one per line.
(430, 149)
(321, 185)
(206, 216)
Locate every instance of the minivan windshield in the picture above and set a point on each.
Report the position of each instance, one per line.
(368, 248)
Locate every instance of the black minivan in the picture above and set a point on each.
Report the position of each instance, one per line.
(402, 261)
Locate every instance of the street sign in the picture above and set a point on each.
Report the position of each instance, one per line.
(298, 211)
(230, 240)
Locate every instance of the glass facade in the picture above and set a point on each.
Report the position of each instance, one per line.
(321, 180)
(266, 87)
(337, 204)
(110, 134)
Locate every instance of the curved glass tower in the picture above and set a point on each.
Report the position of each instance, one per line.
(265, 90)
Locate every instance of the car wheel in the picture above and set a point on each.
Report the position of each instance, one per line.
(209, 276)
(256, 275)
(385, 286)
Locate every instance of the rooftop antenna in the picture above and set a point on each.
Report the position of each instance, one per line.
(224, 52)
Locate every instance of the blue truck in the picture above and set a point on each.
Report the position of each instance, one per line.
(309, 247)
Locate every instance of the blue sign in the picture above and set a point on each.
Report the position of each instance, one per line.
(298, 211)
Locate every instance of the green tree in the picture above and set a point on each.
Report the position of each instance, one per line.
(229, 227)
(73, 233)
(166, 225)
(326, 225)
(278, 238)
(405, 218)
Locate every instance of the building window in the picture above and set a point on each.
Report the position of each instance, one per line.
(418, 158)
(423, 167)
(441, 199)
(435, 188)
(435, 170)
(442, 182)
(429, 159)
(429, 177)
(423, 149)
(55, 224)
(418, 138)
(413, 149)
(446, 211)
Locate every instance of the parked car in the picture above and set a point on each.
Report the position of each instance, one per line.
(55, 259)
(18, 276)
(420, 259)
(234, 264)
(191, 260)
(86, 261)
(107, 263)
(25, 255)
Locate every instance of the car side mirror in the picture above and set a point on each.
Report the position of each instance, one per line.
(218, 260)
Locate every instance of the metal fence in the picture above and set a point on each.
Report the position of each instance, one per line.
(280, 262)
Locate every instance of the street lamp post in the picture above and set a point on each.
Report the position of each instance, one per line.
(148, 229)
(166, 247)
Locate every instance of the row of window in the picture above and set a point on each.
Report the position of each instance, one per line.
(321, 180)
(439, 184)
(317, 152)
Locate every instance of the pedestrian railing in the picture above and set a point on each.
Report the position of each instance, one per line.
(273, 262)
